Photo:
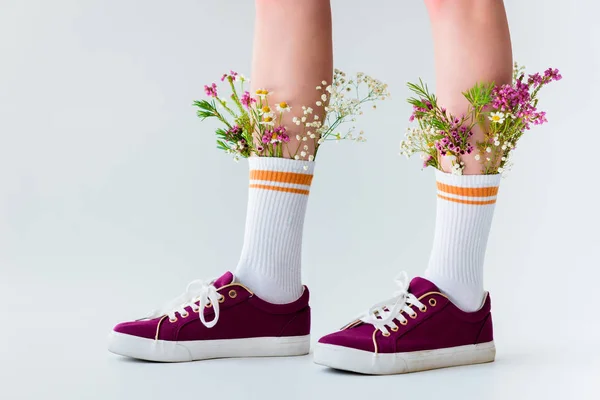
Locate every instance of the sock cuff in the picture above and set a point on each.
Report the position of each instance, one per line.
(468, 181)
(468, 189)
(281, 164)
(281, 174)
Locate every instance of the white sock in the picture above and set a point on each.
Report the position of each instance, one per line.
(465, 207)
(271, 256)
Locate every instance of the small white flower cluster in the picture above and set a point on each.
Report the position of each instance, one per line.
(345, 97)
(311, 124)
(304, 154)
(507, 164)
(417, 140)
(457, 168)
(341, 102)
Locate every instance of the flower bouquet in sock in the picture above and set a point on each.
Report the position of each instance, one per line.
(504, 112)
(253, 125)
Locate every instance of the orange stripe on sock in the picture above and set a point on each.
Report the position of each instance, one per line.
(283, 177)
(469, 192)
(472, 202)
(280, 189)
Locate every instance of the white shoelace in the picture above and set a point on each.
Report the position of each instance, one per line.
(197, 291)
(382, 315)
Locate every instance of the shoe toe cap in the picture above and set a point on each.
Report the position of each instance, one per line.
(141, 328)
(360, 338)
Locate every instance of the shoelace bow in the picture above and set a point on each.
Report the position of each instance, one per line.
(383, 314)
(197, 291)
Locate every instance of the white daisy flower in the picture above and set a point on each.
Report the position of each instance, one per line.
(283, 107)
(266, 111)
(497, 117)
(262, 93)
(268, 121)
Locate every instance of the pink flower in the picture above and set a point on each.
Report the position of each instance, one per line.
(418, 112)
(276, 136)
(232, 75)
(247, 100)
(426, 161)
(552, 74)
(211, 90)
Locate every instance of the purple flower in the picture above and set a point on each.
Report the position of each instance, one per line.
(247, 100)
(276, 136)
(426, 161)
(419, 111)
(266, 139)
(552, 74)
(280, 135)
(234, 134)
(211, 90)
(232, 76)
(535, 79)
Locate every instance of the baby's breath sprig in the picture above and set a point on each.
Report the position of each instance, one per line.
(253, 126)
(504, 113)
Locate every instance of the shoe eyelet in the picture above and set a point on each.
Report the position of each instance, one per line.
(197, 310)
(173, 320)
(208, 305)
(424, 309)
(404, 322)
(432, 302)
(385, 334)
(413, 316)
(395, 329)
(185, 315)
(232, 294)
(221, 299)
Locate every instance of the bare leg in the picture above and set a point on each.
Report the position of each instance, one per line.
(292, 54)
(472, 44)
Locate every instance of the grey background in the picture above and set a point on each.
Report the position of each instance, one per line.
(113, 197)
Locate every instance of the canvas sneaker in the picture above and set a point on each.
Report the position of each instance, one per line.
(216, 319)
(416, 330)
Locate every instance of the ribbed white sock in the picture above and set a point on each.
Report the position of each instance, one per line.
(271, 256)
(465, 207)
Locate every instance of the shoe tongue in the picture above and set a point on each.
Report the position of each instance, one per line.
(419, 286)
(226, 279)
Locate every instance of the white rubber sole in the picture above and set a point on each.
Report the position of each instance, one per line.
(167, 351)
(366, 362)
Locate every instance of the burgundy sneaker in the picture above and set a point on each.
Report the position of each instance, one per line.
(418, 329)
(216, 320)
